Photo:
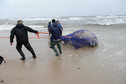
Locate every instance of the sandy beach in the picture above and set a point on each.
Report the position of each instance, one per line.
(104, 64)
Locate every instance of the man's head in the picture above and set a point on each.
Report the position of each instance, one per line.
(49, 23)
(58, 22)
(53, 20)
(19, 22)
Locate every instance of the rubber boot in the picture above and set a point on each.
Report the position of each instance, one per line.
(59, 47)
(55, 50)
(33, 53)
(22, 54)
(31, 50)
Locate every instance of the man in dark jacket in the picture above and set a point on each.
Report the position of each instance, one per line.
(55, 38)
(49, 25)
(21, 33)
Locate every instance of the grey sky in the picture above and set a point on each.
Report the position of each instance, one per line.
(56, 8)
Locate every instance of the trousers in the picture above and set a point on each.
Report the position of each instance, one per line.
(52, 45)
(28, 46)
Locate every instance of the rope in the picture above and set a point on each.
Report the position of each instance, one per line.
(37, 35)
(4, 37)
(43, 32)
(28, 37)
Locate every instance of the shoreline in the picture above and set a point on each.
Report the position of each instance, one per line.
(104, 64)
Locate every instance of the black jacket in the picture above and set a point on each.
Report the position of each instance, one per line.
(20, 31)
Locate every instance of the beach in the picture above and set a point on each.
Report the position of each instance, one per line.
(103, 64)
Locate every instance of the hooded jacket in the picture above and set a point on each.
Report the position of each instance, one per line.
(56, 32)
(21, 33)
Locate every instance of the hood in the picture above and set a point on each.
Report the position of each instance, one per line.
(55, 24)
(19, 25)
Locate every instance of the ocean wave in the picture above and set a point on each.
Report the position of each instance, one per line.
(36, 19)
(6, 27)
(70, 21)
(9, 27)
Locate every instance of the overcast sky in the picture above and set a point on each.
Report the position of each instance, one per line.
(57, 8)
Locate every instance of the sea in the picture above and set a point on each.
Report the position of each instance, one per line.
(74, 22)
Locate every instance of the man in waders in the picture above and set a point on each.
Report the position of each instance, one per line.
(55, 38)
(21, 33)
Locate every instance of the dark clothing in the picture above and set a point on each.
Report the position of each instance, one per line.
(60, 26)
(28, 46)
(21, 33)
(56, 32)
(52, 45)
(49, 25)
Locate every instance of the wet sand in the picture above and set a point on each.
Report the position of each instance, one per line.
(104, 64)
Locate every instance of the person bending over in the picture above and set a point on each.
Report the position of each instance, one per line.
(55, 38)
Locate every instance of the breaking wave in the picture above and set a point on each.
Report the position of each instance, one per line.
(79, 21)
